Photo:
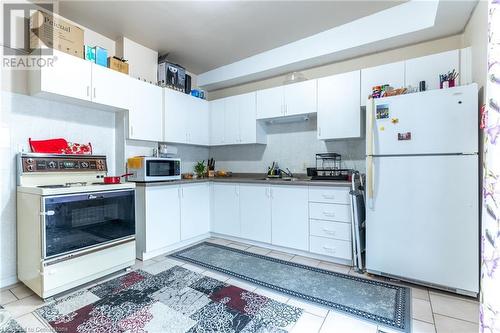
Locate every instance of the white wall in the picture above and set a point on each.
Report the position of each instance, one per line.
(189, 154)
(23, 117)
(476, 36)
(293, 146)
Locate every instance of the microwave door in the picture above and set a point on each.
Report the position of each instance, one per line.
(162, 168)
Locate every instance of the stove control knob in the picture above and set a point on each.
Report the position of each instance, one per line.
(30, 167)
(30, 161)
(84, 165)
(52, 165)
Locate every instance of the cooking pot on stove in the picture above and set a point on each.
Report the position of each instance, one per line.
(115, 179)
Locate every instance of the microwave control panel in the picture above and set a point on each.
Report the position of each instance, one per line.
(62, 163)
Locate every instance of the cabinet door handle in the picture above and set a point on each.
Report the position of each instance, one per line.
(328, 196)
(88, 91)
(328, 231)
(132, 131)
(319, 132)
(329, 214)
(271, 193)
(94, 92)
(286, 109)
(329, 249)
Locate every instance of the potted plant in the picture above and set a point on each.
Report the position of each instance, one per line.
(199, 169)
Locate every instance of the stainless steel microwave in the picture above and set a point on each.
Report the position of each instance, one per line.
(150, 169)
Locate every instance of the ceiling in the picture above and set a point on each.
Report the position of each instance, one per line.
(203, 35)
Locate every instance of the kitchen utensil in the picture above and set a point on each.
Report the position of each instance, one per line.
(115, 179)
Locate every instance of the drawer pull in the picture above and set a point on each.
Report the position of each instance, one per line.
(328, 231)
(329, 196)
(329, 214)
(329, 249)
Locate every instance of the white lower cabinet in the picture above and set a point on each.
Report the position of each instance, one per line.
(331, 247)
(255, 212)
(169, 214)
(306, 218)
(195, 210)
(226, 209)
(158, 218)
(330, 222)
(290, 216)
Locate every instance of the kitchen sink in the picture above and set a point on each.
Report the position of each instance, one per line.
(289, 179)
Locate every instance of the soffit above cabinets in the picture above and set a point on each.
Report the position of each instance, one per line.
(390, 28)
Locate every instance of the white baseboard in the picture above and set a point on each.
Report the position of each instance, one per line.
(284, 249)
(8, 281)
(168, 249)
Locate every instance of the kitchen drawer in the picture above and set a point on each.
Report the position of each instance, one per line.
(330, 212)
(330, 247)
(329, 195)
(328, 229)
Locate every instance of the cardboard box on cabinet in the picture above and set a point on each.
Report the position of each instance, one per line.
(49, 31)
(118, 65)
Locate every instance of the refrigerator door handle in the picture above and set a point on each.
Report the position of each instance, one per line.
(370, 181)
(370, 186)
(370, 106)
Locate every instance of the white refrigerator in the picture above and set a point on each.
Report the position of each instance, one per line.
(422, 218)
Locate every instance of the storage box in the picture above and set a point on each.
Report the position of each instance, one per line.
(89, 53)
(101, 56)
(49, 31)
(118, 65)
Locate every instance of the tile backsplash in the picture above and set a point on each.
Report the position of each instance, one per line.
(293, 146)
(23, 117)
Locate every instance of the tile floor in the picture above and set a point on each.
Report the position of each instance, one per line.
(432, 311)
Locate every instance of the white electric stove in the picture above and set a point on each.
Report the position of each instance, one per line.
(71, 227)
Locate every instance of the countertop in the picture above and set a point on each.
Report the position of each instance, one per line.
(251, 178)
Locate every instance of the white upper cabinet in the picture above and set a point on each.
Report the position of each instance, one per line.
(226, 209)
(392, 74)
(198, 121)
(300, 98)
(290, 217)
(289, 100)
(429, 68)
(145, 114)
(186, 118)
(195, 210)
(112, 88)
(255, 212)
(217, 110)
(270, 103)
(339, 113)
(70, 77)
(174, 111)
(232, 121)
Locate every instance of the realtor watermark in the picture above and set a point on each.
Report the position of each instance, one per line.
(23, 48)
(28, 62)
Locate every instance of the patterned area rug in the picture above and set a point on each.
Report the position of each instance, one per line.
(163, 297)
(379, 302)
(7, 324)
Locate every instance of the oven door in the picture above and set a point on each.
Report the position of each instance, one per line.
(162, 169)
(77, 222)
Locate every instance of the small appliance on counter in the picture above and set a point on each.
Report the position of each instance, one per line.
(151, 169)
(329, 167)
(165, 151)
